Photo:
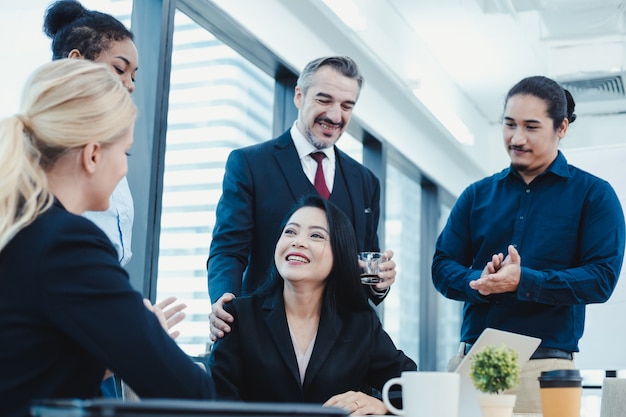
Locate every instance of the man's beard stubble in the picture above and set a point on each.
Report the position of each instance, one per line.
(310, 137)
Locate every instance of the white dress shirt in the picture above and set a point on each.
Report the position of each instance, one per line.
(309, 165)
(117, 221)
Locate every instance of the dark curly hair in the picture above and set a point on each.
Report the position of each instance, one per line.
(71, 26)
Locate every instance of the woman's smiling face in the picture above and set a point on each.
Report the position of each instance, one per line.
(303, 251)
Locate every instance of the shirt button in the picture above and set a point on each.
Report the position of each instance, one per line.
(521, 217)
(527, 190)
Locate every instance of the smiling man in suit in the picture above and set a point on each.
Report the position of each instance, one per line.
(262, 182)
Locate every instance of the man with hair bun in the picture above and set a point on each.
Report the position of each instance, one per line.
(527, 248)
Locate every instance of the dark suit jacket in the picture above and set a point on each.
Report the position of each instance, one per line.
(68, 312)
(256, 360)
(262, 182)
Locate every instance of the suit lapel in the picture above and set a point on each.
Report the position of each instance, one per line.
(276, 322)
(328, 333)
(288, 160)
(351, 173)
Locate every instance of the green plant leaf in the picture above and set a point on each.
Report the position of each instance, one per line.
(494, 369)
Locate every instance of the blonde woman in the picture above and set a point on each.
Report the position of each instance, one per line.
(67, 309)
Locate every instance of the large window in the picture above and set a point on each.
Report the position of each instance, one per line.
(350, 145)
(402, 235)
(448, 315)
(218, 102)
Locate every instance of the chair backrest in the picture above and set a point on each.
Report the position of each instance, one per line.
(613, 395)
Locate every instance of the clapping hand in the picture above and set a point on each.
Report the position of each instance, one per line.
(500, 275)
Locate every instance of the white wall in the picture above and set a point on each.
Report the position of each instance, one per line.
(596, 131)
(602, 345)
(23, 48)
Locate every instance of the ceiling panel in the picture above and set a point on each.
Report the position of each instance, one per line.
(487, 45)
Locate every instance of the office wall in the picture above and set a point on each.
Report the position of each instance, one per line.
(602, 345)
(24, 47)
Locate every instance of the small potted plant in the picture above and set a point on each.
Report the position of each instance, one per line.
(494, 370)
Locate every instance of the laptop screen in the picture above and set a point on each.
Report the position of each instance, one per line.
(524, 345)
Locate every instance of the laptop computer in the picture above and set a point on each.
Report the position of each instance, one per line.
(468, 395)
(179, 408)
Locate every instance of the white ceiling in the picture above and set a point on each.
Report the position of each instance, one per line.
(485, 46)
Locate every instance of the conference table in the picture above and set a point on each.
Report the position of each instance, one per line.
(193, 408)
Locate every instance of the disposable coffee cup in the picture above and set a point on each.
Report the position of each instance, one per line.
(561, 391)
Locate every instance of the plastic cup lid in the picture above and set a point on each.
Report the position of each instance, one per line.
(560, 378)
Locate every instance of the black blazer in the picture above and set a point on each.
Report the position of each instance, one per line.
(256, 360)
(68, 312)
(262, 182)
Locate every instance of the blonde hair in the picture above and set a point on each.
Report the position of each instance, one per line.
(66, 104)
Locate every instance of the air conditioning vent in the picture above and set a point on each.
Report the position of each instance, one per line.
(609, 87)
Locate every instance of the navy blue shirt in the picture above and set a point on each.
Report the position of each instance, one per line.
(568, 227)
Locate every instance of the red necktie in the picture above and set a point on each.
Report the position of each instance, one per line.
(320, 180)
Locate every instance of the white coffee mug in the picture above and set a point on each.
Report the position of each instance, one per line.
(426, 394)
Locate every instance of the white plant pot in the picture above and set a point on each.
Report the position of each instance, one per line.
(497, 405)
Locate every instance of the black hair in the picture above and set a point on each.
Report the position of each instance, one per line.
(343, 284)
(559, 101)
(71, 26)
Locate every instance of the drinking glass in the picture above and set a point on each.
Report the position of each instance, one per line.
(369, 263)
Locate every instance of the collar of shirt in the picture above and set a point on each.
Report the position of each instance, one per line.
(558, 167)
(309, 166)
